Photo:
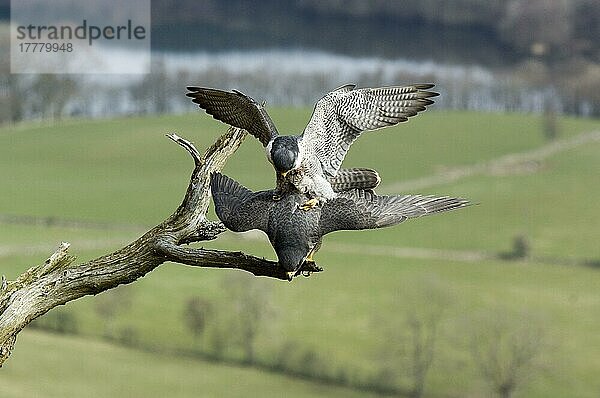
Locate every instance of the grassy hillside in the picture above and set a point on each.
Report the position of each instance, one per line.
(75, 367)
(125, 171)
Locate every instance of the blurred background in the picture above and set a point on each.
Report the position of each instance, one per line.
(500, 299)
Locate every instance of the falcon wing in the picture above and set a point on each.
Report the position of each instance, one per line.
(343, 114)
(360, 209)
(236, 109)
(239, 208)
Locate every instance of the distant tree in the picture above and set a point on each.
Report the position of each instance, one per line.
(521, 246)
(59, 320)
(154, 93)
(549, 122)
(219, 336)
(410, 344)
(196, 315)
(504, 346)
(12, 90)
(109, 304)
(520, 249)
(127, 335)
(580, 86)
(11, 98)
(250, 300)
(53, 92)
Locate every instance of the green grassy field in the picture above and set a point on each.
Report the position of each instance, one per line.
(125, 171)
(138, 374)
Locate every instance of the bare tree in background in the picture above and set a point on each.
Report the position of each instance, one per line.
(549, 124)
(196, 315)
(504, 346)
(409, 347)
(250, 301)
(550, 119)
(59, 320)
(11, 92)
(160, 90)
(52, 93)
(109, 304)
(521, 249)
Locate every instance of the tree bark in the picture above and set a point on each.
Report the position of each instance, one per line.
(59, 280)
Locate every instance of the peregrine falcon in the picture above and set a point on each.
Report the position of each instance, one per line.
(338, 119)
(296, 235)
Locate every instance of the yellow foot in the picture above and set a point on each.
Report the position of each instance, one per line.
(276, 197)
(311, 203)
(290, 275)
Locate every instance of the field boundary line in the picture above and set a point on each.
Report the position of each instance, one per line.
(45, 248)
(51, 221)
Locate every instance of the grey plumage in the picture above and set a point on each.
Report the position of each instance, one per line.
(337, 121)
(296, 234)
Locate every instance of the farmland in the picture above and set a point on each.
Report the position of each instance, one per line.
(99, 184)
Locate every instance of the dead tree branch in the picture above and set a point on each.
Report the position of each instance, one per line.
(59, 280)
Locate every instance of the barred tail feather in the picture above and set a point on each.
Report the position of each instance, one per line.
(354, 178)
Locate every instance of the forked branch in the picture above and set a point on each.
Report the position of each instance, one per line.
(59, 280)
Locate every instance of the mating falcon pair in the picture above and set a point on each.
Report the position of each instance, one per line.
(313, 196)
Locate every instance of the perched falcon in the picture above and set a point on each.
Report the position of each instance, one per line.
(338, 119)
(295, 234)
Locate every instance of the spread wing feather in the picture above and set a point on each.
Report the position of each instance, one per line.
(239, 208)
(343, 114)
(360, 209)
(236, 109)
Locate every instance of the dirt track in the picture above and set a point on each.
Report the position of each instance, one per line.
(513, 163)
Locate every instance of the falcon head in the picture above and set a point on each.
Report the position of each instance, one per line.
(284, 153)
(291, 254)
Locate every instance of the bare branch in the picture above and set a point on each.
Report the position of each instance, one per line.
(59, 281)
(222, 259)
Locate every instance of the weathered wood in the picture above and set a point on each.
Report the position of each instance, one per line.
(59, 281)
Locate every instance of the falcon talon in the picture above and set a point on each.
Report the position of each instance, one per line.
(276, 197)
(316, 268)
(310, 204)
(310, 266)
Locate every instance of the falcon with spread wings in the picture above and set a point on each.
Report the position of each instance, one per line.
(310, 161)
(296, 235)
